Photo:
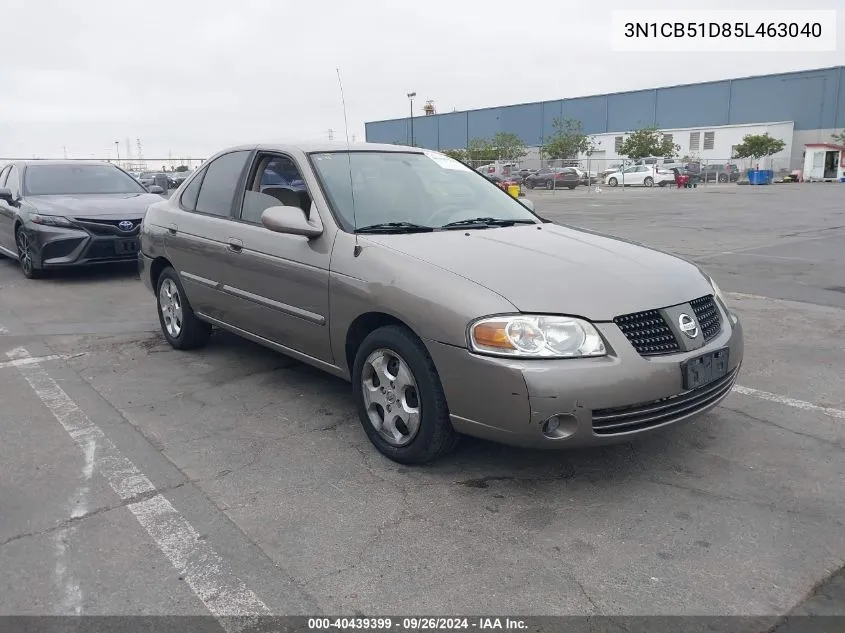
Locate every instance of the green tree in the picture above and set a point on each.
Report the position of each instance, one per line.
(568, 140)
(648, 141)
(509, 147)
(839, 138)
(480, 149)
(457, 154)
(757, 146)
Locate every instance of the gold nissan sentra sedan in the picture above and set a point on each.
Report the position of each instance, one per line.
(450, 306)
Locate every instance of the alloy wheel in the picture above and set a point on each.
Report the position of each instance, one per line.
(171, 307)
(391, 397)
(24, 252)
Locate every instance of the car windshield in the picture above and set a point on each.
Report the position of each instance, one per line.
(427, 189)
(78, 179)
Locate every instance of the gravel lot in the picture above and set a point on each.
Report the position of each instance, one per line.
(272, 484)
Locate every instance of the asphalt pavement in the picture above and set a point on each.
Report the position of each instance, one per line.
(137, 479)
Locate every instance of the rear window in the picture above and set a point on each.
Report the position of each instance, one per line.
(43, 180)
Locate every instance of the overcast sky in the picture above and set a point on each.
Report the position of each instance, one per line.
(189, 77)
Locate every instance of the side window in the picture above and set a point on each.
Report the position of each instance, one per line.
(275, 181)
(220, 182)
(188, 200)
(13, 182)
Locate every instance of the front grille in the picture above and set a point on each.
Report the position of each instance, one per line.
(109, 227)
(707, 315)
(645, 415)
(648, 333)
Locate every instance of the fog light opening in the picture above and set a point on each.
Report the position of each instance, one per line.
(559, 426)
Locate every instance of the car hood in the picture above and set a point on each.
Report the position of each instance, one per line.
(96, 206)
(555, 269)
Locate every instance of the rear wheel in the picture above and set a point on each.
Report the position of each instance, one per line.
(649, 181)
(723, 178)
(400, 400)
(181, 328)
(571, 187)
(613, 182)
(25, 256)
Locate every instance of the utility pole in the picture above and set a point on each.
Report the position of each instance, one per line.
(331, 134)
(117, 151)
(411, 96)
(64, 149)
(353, 138)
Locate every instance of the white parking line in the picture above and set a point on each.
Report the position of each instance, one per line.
(29, 360)
(790, 402)
(204, 571)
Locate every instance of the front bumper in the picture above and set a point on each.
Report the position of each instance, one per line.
(81, 245)
(508, 401)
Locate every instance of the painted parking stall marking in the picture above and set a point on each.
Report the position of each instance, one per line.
(790, 402)
(223, 593)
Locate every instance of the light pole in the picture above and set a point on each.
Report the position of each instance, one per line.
(411, 96)
(117, 150)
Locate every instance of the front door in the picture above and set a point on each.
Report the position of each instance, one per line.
(9, 179)
(280, 281)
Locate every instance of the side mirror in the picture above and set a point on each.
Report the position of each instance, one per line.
(528, 204)
(6, 196)
(289, 220)
(155, 189)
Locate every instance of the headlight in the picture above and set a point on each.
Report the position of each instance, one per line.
(536, 336)
(50, 220)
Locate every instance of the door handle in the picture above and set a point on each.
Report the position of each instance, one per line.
(172, 228)
(235, 245)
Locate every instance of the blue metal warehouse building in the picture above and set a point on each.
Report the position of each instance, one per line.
(812, 100)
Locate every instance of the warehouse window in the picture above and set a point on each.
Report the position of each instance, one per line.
(617, 144)
(694, 141)
(709, 140)
(669, 138)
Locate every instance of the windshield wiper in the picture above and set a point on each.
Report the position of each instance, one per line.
(486, 222)
(395, 227)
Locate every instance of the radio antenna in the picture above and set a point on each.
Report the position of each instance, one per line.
(357, 250)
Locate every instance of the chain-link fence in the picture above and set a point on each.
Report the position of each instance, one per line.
(646, 171)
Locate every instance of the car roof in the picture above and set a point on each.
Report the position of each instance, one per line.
(36, 161)
(308, 147)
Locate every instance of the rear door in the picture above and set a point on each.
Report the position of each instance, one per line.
(199, 229)
(280, 282)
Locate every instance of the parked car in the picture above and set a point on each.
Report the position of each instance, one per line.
(642, 176)
(426, 286)
(58, 214)
(554, 178)
(504, 183)
(720, 173)
(155, 178)
(587, 177)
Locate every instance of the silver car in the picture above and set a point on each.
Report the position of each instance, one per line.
(450, 306)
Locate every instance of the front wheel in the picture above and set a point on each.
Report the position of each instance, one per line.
(25, 255)
(649, 182)
(181, 327)
(399, 397)
(529, 184)
(550, 184)
(613, 182)
(571, 187)
(723, 178)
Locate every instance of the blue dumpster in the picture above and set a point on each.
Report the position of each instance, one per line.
(760, 176)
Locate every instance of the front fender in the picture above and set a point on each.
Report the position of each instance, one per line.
(436, 304)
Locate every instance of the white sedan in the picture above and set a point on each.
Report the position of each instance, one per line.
(641, 176)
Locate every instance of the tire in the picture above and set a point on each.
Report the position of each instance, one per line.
(390, 353)
(612, 182)
(723, 178)
(571, 187)
(181, 328)
(550, 184)
(649, 181)
(28, 267)
(529, 184)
